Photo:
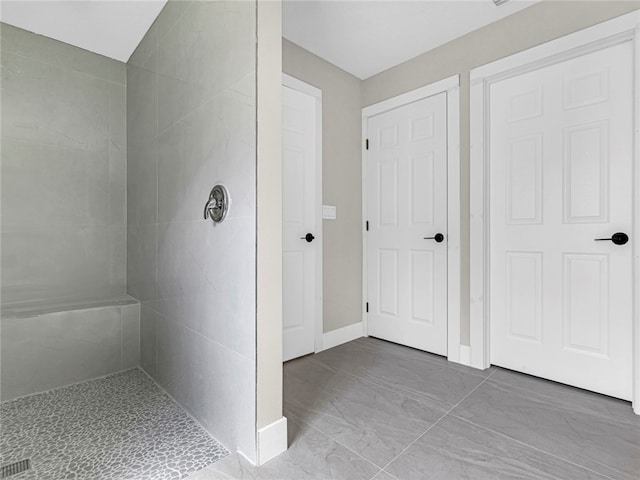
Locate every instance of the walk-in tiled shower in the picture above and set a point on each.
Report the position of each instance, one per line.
(128, 319)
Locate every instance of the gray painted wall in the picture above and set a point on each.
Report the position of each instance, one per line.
(191, 114)
(537, 24)
(63, 170)
(341, 179)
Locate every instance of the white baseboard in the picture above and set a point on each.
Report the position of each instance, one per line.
(465, 355)
(272, 441)
(342, 335)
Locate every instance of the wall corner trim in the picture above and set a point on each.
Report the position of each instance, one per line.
(465, 355)
(342, 335)
(272, 441)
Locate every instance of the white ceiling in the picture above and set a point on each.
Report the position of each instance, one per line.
(366, 37)
(110, 28)
(363, 37)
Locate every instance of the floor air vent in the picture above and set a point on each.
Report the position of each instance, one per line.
(15, 468)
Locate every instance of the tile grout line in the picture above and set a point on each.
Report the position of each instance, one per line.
(437, 421)
(399, 389)
(338, 442)
(382, 384)
(532, 447)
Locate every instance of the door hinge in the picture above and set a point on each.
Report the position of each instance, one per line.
(367, 307)
(367, 225)
(366, 144)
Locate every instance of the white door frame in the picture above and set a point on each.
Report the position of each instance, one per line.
(299, 85)
(451, 86)
(623, 28)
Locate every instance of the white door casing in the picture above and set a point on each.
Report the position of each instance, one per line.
(301, 205)
(582, 262)
(406, 169)
(560, 146)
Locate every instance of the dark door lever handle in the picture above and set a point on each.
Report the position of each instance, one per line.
(438, 237)
(618, 238)
(308, 237)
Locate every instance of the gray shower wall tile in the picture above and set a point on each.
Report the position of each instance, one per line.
(142, 262)
(118, 72)
(213, 295)
(142, 107)
(197, 65)
(215, 143)
(130, 316)
(117, 260)
(57, 349)
(53, 52)
(232, 416)
(142, 184)
(50, 185)
(51, 105)
(148, 324)
(56, 261)
(63, 170)
(118, 116)
(117, 155)
(195, 52)
(186, 369)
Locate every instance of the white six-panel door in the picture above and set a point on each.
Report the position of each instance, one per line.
(560, 167)
(298, 218)
(406, 184)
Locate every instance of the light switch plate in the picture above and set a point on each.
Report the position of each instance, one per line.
(328, 212)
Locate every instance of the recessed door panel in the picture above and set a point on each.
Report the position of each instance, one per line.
(422, 189)
(422, 286)
(524, 296)
(586, 303)
(586, 179)
(524, 180)
(388, 193)
(388, 281)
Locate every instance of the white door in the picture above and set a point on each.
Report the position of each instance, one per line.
(406, 185)
(561, 177)
(299, 212)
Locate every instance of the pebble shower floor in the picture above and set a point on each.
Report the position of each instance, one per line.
(120, 427)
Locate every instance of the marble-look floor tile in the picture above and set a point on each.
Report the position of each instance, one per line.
(371, 420)
(442, 385)
(376, 344)
(311, 456)
(455, 449)
(598, 432)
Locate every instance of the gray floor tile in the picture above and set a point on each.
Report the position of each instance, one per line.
(383, 345)
(311, 455)
(443, 385)
(592, 430)
(455, 449)
(371, 420)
